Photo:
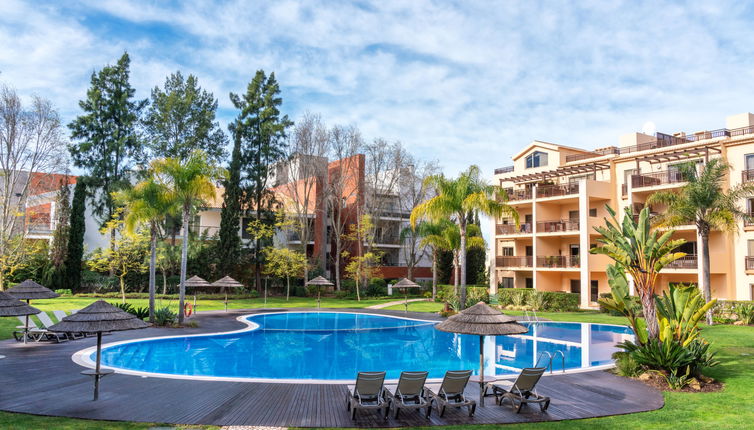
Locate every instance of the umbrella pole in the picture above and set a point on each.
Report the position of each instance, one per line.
(265, 292)
(226, 301)
(405, 292)
(194, 302)
(319, 305)
(481, 371)
(96, 372)
(26, 325)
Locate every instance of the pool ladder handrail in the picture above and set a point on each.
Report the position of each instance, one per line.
(550, 357)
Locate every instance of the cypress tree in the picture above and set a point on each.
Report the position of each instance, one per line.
(76, 237)
(228, 251)
(60, 236)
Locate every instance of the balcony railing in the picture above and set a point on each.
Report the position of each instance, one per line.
(747, 175)
(389, 239)
(742, 131)
(749, 222)
(657, 178)
(687, 262)
(513, 195)
(523, 228)
(749, 263)
(558, 261)
(209, 230)
(593, 154)
(501, 170)
(556, 226)
(557, 190)
(514, 261)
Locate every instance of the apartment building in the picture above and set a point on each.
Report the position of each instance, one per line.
(560, 193)
(388, 211)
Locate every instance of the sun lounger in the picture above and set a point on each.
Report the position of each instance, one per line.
(60, 315)
(523, 390)
(368, 393)
(51, 335)
(450, 392)
(410, 393)
(34, 333)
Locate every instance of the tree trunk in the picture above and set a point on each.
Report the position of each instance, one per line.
(184, 261)
(646, 295)
(434, 274)
(112, 248)
(164, 283)
(122, 289)
(287, 287)
(358, 296)
(705, 279)
(152, 269)
(462, 260)
(337, 265)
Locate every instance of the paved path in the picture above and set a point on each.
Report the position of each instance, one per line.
(395, 303)
(40, 378)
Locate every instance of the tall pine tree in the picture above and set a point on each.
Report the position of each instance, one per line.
(261, 130)
(105, 134)
(229, 248)
(75, 252)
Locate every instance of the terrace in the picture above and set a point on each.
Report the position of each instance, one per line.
(557, 226)
(558, 261)
(514, 261)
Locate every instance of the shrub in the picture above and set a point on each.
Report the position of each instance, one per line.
(141, 312)
(475, 295)
(343, 294)
(626, 365)
(537, 301)
(520, 297)
(560, 301)
(164, 317)
(64, 292)
(299, 291)
(744, 312)
(125, 307)
(377, 287)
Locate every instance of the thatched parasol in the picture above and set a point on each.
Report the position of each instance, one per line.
(98, 317)
(12, 307)
(482, 320)
(193, 282)
(30, 290)
(227, 282)
(406, 284)
(319, 281)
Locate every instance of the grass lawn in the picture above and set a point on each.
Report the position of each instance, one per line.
(729, 409)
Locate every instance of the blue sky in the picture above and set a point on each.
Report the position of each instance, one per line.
(459, 81)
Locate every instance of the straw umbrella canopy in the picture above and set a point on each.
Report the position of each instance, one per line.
(319, 281)
(406, 284)
(227, 282)
(195, 282)
(99, 317)
(30, 290)
(12, 307)
(482, 320)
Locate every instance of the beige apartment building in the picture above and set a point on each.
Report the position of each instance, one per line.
(560, 193)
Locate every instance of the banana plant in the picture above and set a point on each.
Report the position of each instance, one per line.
(620, 301)
(679, 312)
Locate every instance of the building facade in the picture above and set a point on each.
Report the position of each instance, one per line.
(560, 193)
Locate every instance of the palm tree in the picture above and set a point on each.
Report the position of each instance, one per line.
(452, 235)
(704, 203)
(455, 199)
(190, 182)
(431, 236)
(640, 252)
(148, 202)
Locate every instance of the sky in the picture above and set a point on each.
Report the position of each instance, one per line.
(462, 82)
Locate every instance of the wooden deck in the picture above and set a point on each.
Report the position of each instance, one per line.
(41, 379)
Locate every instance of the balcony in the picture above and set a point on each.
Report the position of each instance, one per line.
(749, 263)
(504, 229)
(747, 175)
(514, 261)
(388, 239)
(749, 222)
(208, 230)
(657, 178)
(557, 190)
(514, 195)
(558, 261)
(687, 262)
(557, 226)
(664, 140)
(593, 154)
(501, 170)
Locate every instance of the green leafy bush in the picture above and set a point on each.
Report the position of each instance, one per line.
(377, 288)
(626, 365)
(557, 301)
(141, 312)
(520, 297)
(676, 380)
(744, 312)
(125, 307)
(164, 317)
(64, 292)
(475, 295)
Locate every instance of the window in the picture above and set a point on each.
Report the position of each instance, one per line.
(195, 223)
(573, 215)
(576, 179)
(750, 244)
(749, 161)
(529, 282)
(576, 286)
(628, 173)
(536, 159)
(750, 206)
(529, 251)
(752, 291)
(595, 290)
(593, 212)
(688, 248)
(506, 251)
(507, 282)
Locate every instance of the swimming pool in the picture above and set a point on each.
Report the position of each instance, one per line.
(333, 346)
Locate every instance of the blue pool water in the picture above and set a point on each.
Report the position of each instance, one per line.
(334, 346)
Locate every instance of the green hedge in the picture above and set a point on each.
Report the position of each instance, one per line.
(548, 301)
(116, 295)
(724, 308)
